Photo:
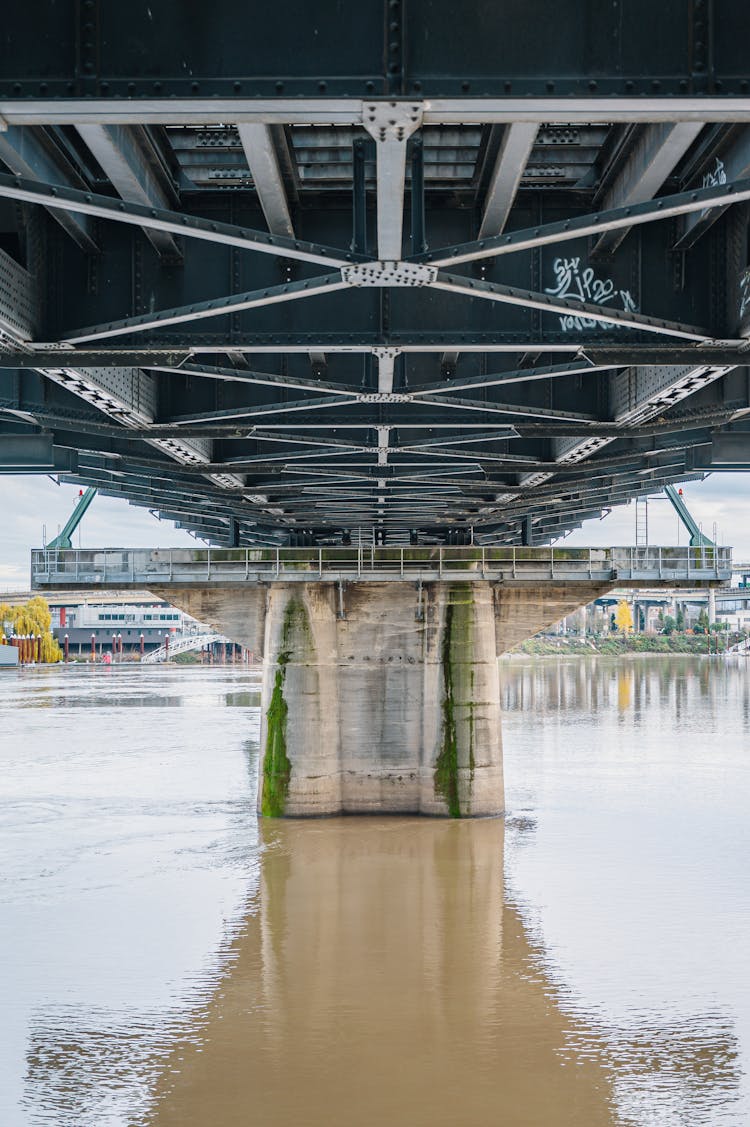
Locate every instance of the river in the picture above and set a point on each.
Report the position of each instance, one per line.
(168, 960)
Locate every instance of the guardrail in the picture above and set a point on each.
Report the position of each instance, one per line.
(146, 567)
(184, 644)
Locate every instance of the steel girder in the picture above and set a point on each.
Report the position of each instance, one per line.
(443, 192)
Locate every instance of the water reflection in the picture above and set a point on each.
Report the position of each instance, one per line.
(168, 961)
(634, 885)
(384, 979)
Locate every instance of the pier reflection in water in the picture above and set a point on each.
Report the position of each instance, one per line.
(171, 962)
(384, 981)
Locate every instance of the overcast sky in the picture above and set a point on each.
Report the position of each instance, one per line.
(29, 505)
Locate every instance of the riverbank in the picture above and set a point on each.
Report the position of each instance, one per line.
(614, 645)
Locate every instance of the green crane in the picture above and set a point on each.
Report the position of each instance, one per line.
(697, 539)
(64, 539)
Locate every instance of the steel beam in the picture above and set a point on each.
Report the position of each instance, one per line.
(170, 222)
(22, 453)
(119, 150)
(572, 107)
(657, 151)
(614, 353)
(28, 153)
(236, 303)
(513, 376)
(256, 411)
(391, 124)
(548, 303)
(515, 148)
(520, 409)
(386, 358)
(262, 379)
(260, 152)
(733, 164)
(666, 207)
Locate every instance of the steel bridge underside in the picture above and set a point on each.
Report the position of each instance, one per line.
(336, 275)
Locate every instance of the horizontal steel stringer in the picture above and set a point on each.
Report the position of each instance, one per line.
(528, 299)
(173, 222)
(665, 207)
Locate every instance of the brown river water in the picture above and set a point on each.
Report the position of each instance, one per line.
(168, 960)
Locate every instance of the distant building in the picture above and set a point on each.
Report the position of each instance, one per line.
(149, 618)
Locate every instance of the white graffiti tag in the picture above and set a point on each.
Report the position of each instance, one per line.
(577, 284)
(716, 176)
(744, 292)
(713, 179)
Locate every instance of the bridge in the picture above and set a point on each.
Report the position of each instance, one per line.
(452, 277)
(185, 644)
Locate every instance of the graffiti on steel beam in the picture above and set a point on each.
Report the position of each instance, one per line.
(581, 283)
(716, 176)
(744, 293)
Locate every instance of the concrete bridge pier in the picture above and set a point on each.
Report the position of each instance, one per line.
(380, 699)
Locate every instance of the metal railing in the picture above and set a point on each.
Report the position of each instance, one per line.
(147, 567)
(181, 645)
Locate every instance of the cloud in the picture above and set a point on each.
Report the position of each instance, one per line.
(34, 508)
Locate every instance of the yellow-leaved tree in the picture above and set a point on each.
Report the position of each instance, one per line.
(624, 617)
(34, 618)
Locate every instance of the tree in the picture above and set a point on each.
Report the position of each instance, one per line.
(701, 625)
(624, 617)
(31, 618)
(679, 621)
(669, 624)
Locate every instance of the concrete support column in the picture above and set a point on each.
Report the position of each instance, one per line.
(711, 606)
(392, 708)
(381, 697)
